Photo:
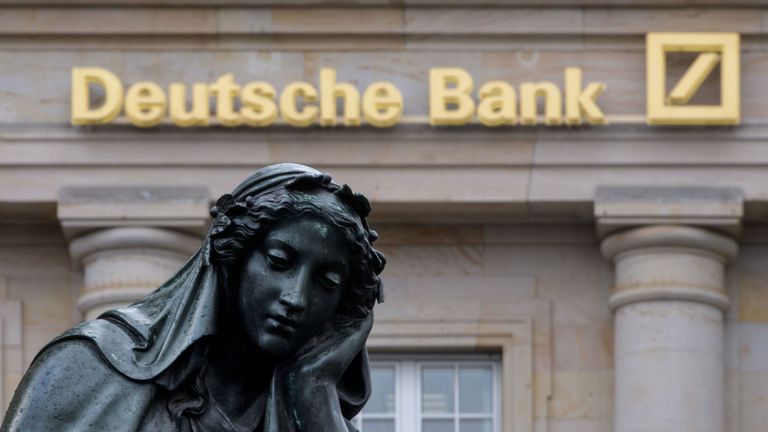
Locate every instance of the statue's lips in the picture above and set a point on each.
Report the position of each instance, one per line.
(282, 323)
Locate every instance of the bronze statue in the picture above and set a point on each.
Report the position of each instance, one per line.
(263, 329)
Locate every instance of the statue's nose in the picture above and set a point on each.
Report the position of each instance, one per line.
(294, 296)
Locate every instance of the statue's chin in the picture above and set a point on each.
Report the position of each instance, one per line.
(276, 346)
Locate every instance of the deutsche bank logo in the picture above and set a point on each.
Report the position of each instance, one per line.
(714, 49)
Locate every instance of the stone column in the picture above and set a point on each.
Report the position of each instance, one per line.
(129, 240)
(669, 299)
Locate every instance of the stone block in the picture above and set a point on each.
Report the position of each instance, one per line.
(574, 277)
(337, 20)
(555, 234)
(642, 20)
(393, 235)
(505, 21)
(46, 300)
(753, 297)
(103, 21)
(583, 347)
(584, 395)
(34, 261)
(753, 394)
(26, 234)
(244, 20)
(310, 42)
(441, 261)
(747, 345)
(464, 298)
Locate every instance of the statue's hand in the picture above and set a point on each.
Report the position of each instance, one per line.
(325, 357)
(304, 396)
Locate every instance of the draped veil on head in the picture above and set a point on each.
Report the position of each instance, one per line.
(144, 341)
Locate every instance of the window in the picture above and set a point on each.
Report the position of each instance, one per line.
(433, 394)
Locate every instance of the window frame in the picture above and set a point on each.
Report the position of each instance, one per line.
(505, 327)
(408, 386)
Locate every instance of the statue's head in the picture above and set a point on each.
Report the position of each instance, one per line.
(295, 257)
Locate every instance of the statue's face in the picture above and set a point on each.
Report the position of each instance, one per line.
(292, 283)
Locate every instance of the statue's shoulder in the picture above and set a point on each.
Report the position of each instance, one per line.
(72, 360)
(71, 387)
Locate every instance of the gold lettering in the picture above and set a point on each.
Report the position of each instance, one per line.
(225, 89)
(145, 104)
(199, 115)
(290, 112)
(382, 104)
(580, 103)
(82, 113)
(498, 104)
(442, 97)
(259, 107)
(553, 103)
(330, 90)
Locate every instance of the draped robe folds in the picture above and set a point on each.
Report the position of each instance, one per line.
(117, 373)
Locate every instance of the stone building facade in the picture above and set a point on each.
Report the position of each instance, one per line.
(613, 276)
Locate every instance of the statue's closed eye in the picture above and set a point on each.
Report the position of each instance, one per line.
(278, 258)
(331, 280)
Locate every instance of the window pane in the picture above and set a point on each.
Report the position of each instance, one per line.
(378, 426)
(475, 389)
(437, 426)
(382, 399)
(437, 390)
(474, 426)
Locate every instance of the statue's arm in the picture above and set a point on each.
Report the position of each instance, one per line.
(70, 387)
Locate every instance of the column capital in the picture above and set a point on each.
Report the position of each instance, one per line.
(667, 262)
(132, 238)
(623, 207)
(696, 240)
